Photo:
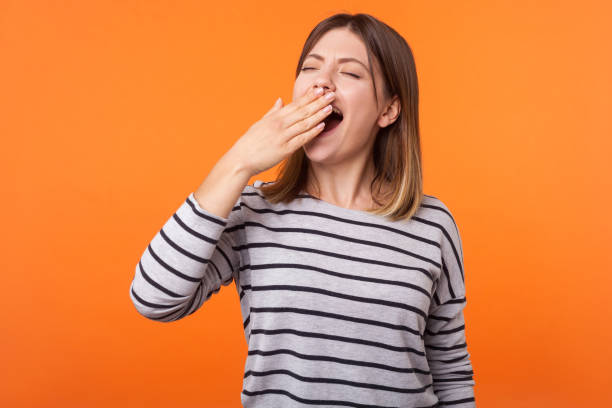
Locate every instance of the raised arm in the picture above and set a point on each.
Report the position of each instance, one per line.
(195, 251)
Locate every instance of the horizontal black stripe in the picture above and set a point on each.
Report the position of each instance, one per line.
(338, 338)
(181, 250)
(329, 380)
(163, 318)
(171, 269)
(452, 360)
(253, 267)
(443, 332)
(150, 304)
(193, 232)
(340, 361)
(342, 238)
(454, 379)
(313, 401)
(339, 219)
(448, 348)
(333, 255)
(155, 284)
(202, 215)
(334, 316)
(456, 402)
(462, 372)
(296, 288)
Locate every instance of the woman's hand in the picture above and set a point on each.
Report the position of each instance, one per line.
(282, 130)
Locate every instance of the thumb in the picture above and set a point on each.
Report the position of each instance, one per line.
(277, 105)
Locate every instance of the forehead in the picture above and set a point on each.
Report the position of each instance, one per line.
(341, 43)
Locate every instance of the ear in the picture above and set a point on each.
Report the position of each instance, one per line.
(391, 113)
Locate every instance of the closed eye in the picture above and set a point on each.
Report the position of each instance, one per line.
(348, 73)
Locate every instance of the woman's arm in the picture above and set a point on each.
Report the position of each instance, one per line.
(194, 253)
(445, 341)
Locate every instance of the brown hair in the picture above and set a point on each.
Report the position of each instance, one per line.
(396, 150)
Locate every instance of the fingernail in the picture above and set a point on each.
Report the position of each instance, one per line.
(318, 91)
(330, 95)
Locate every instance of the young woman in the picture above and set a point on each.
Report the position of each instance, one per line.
(350, 279)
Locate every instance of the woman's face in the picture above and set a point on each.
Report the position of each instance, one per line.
(351, 81)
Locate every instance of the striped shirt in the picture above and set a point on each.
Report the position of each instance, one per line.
(340, 307)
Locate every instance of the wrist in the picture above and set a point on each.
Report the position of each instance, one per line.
(236, 165)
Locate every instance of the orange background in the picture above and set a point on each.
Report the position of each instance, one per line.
(113, 112)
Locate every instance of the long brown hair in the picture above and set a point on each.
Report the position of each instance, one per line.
(396, 150)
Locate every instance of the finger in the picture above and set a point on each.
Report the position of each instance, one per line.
(309, 122)
(303, 138)
(310, 95)
(309, 109)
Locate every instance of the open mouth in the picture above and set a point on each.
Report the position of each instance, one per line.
(333, 120)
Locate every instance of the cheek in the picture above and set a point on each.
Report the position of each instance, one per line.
(359, 99)
(361, 111)
(300, 88)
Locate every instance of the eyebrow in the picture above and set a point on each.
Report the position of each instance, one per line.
(340, 60)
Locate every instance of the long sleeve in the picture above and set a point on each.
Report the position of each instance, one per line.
(445, 341)
(186, 262)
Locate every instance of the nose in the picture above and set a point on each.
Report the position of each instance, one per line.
(323, 81)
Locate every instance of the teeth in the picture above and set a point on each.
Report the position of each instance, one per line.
(337, 111)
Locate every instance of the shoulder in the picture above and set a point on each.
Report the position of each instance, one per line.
(437, 211)
(442, 217)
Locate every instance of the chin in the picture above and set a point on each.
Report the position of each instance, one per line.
(324, 147)
(317, 153)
